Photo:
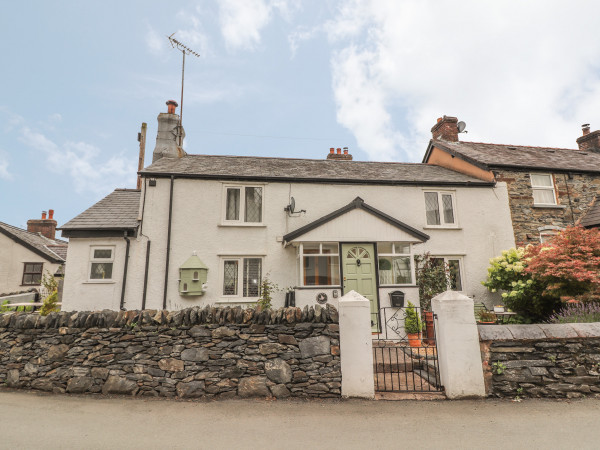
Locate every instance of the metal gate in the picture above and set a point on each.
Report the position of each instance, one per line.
(403, 362)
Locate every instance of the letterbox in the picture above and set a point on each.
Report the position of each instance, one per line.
(397, 299)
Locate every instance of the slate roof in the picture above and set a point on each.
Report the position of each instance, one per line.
(306, 170)
(592, 217)
(489, 156)
(117, 211)
(54, 250)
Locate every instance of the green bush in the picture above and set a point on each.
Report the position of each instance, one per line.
(412, 321)
(432, 278)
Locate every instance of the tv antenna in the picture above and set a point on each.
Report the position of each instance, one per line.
(185, 50)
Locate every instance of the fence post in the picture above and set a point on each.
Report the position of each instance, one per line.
(356, 346)
(459, 354)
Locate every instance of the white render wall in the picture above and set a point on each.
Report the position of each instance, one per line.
(12, 257)
(484, 229)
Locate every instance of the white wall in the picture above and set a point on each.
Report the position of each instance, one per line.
(12, 257)
(482, 213)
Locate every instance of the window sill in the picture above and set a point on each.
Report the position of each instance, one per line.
(550, 206)
(433, 227)
(238, 300)
(99, 282)
(244, 225)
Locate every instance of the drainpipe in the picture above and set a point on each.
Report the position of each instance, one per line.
(125, 271)
(168, 244)
(146, 275)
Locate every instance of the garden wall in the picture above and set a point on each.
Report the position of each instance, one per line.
(208, 352)
(545, 360)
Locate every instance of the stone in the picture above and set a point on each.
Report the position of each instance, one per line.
(199, 331)
(538, 371)
(314, 346)
(335, 350)
(222, 332)
(42, 384)
(558, 330)
(280, 391)
(267, 349)
(12, 378)
(119, 385)
(232, 372)
(79, 385)
(195, 354)
(57, 352)
(287, 339)
(255, 386)
(526, 331)
(154, 372)
(192, 389)
(278, 370)
(171, 364)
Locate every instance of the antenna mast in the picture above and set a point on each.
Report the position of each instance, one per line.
(185, 50)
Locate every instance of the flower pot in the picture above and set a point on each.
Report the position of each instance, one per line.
(486, 323)
(498, 309)
(414, 339)
(429, 330)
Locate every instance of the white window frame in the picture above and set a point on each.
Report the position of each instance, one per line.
(552, 188)
(93, 260)
(461, 268)
(301, 255)
(394, 254)
(239, 297)
(241, 221)
(443, 223)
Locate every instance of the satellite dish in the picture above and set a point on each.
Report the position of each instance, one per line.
(461, 126)
(292, 205)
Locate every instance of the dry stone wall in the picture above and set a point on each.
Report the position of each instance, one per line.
(545, 360)
(208, 352)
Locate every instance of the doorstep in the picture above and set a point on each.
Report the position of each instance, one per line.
(397, 396)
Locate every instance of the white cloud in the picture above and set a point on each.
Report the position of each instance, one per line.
(516, 72)
(4, 173)
(296, 37)
(154, 41)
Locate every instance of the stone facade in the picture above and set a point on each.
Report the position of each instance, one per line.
(193, 353)
(574, 199)
(555, 361)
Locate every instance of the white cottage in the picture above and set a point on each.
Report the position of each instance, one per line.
(315, 228)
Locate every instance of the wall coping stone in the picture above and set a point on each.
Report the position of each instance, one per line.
(538, 331)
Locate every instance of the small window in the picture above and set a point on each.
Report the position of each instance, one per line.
(242, 276)
(184, 287)
(395, 263)
(543, 189)
(319, 264)
(195, 276)
(101, 264)
(454, 267)
(32, 274)
(439, 209)
(243, 204)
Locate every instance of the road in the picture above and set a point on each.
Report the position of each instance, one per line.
(31, 420)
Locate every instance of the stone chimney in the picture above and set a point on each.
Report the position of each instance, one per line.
(47, 227)
(339, 156)
(168, 136)
(589, 142)
(446, 129)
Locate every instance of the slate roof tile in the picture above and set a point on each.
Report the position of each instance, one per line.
(592, 217)
(53, 249)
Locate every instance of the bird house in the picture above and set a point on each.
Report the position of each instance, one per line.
(192, 276)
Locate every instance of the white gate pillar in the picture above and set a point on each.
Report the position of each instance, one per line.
(459, 354)
(356, 346)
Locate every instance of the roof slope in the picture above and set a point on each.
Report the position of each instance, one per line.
(54, 250)
(306, 170)
(592, 217)
(117, 211)
(498, 155)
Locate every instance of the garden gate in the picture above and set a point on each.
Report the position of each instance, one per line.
(404, 362)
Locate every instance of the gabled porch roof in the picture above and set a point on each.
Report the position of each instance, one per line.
(365, 224)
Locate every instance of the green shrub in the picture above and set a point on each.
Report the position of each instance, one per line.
(50, 302)
(432, 278)
(412, 321)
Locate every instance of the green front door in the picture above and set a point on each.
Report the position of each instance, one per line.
(358, 263)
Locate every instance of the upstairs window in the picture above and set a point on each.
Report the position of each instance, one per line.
(395, 265)
(543, 189)
(243, 204)
(439, 209)
(319, 264)
(32, 274)
(101, 263)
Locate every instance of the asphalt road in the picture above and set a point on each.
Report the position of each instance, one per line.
(30, 420)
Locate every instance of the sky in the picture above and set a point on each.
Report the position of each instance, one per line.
(278, 78)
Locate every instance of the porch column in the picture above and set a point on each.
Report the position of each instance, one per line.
(459, 355)
(356, 346)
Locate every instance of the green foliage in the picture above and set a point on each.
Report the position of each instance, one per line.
(267, 288)
(412, 321)
(4, 308)
(498, 368)
(487, 316)
(432, 278)
(50, 302)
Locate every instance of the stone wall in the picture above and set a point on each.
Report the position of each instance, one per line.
(558, 360)
(526, 218)
(208, 352)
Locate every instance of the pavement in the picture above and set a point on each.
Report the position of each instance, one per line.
(32, 420)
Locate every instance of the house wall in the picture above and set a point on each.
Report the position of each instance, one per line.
(12, 257)
(483, 231)
(441, 158)
(527, 218)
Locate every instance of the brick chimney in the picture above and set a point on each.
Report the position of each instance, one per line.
(339, 156)
(589, 141)
(446, 129)
(167, 138)
(47, 227)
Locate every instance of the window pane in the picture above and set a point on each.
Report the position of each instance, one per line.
(101, 271)
(102, 253)
(402, 272)
(310, 249)
(402, 248)
(252, 275)
(233, 204)
(541, 180)
(454, 269)
(432, 208)
(253, 204)
(330, 248)
(27, 279)
(386, 275)
(384, 248)
(321, 271)
(448, 212)
(28, 268)
(37, 278)
(544, 196)
(230, 278)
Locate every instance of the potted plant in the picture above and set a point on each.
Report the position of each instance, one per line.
(487, 317)
(413, 325)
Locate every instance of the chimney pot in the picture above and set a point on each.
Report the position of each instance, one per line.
(50, 214)
(585, 128)
(345, 150)
(171, 105)
(339, 151)
(439, 120)
(331, 151)
(43, 215)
